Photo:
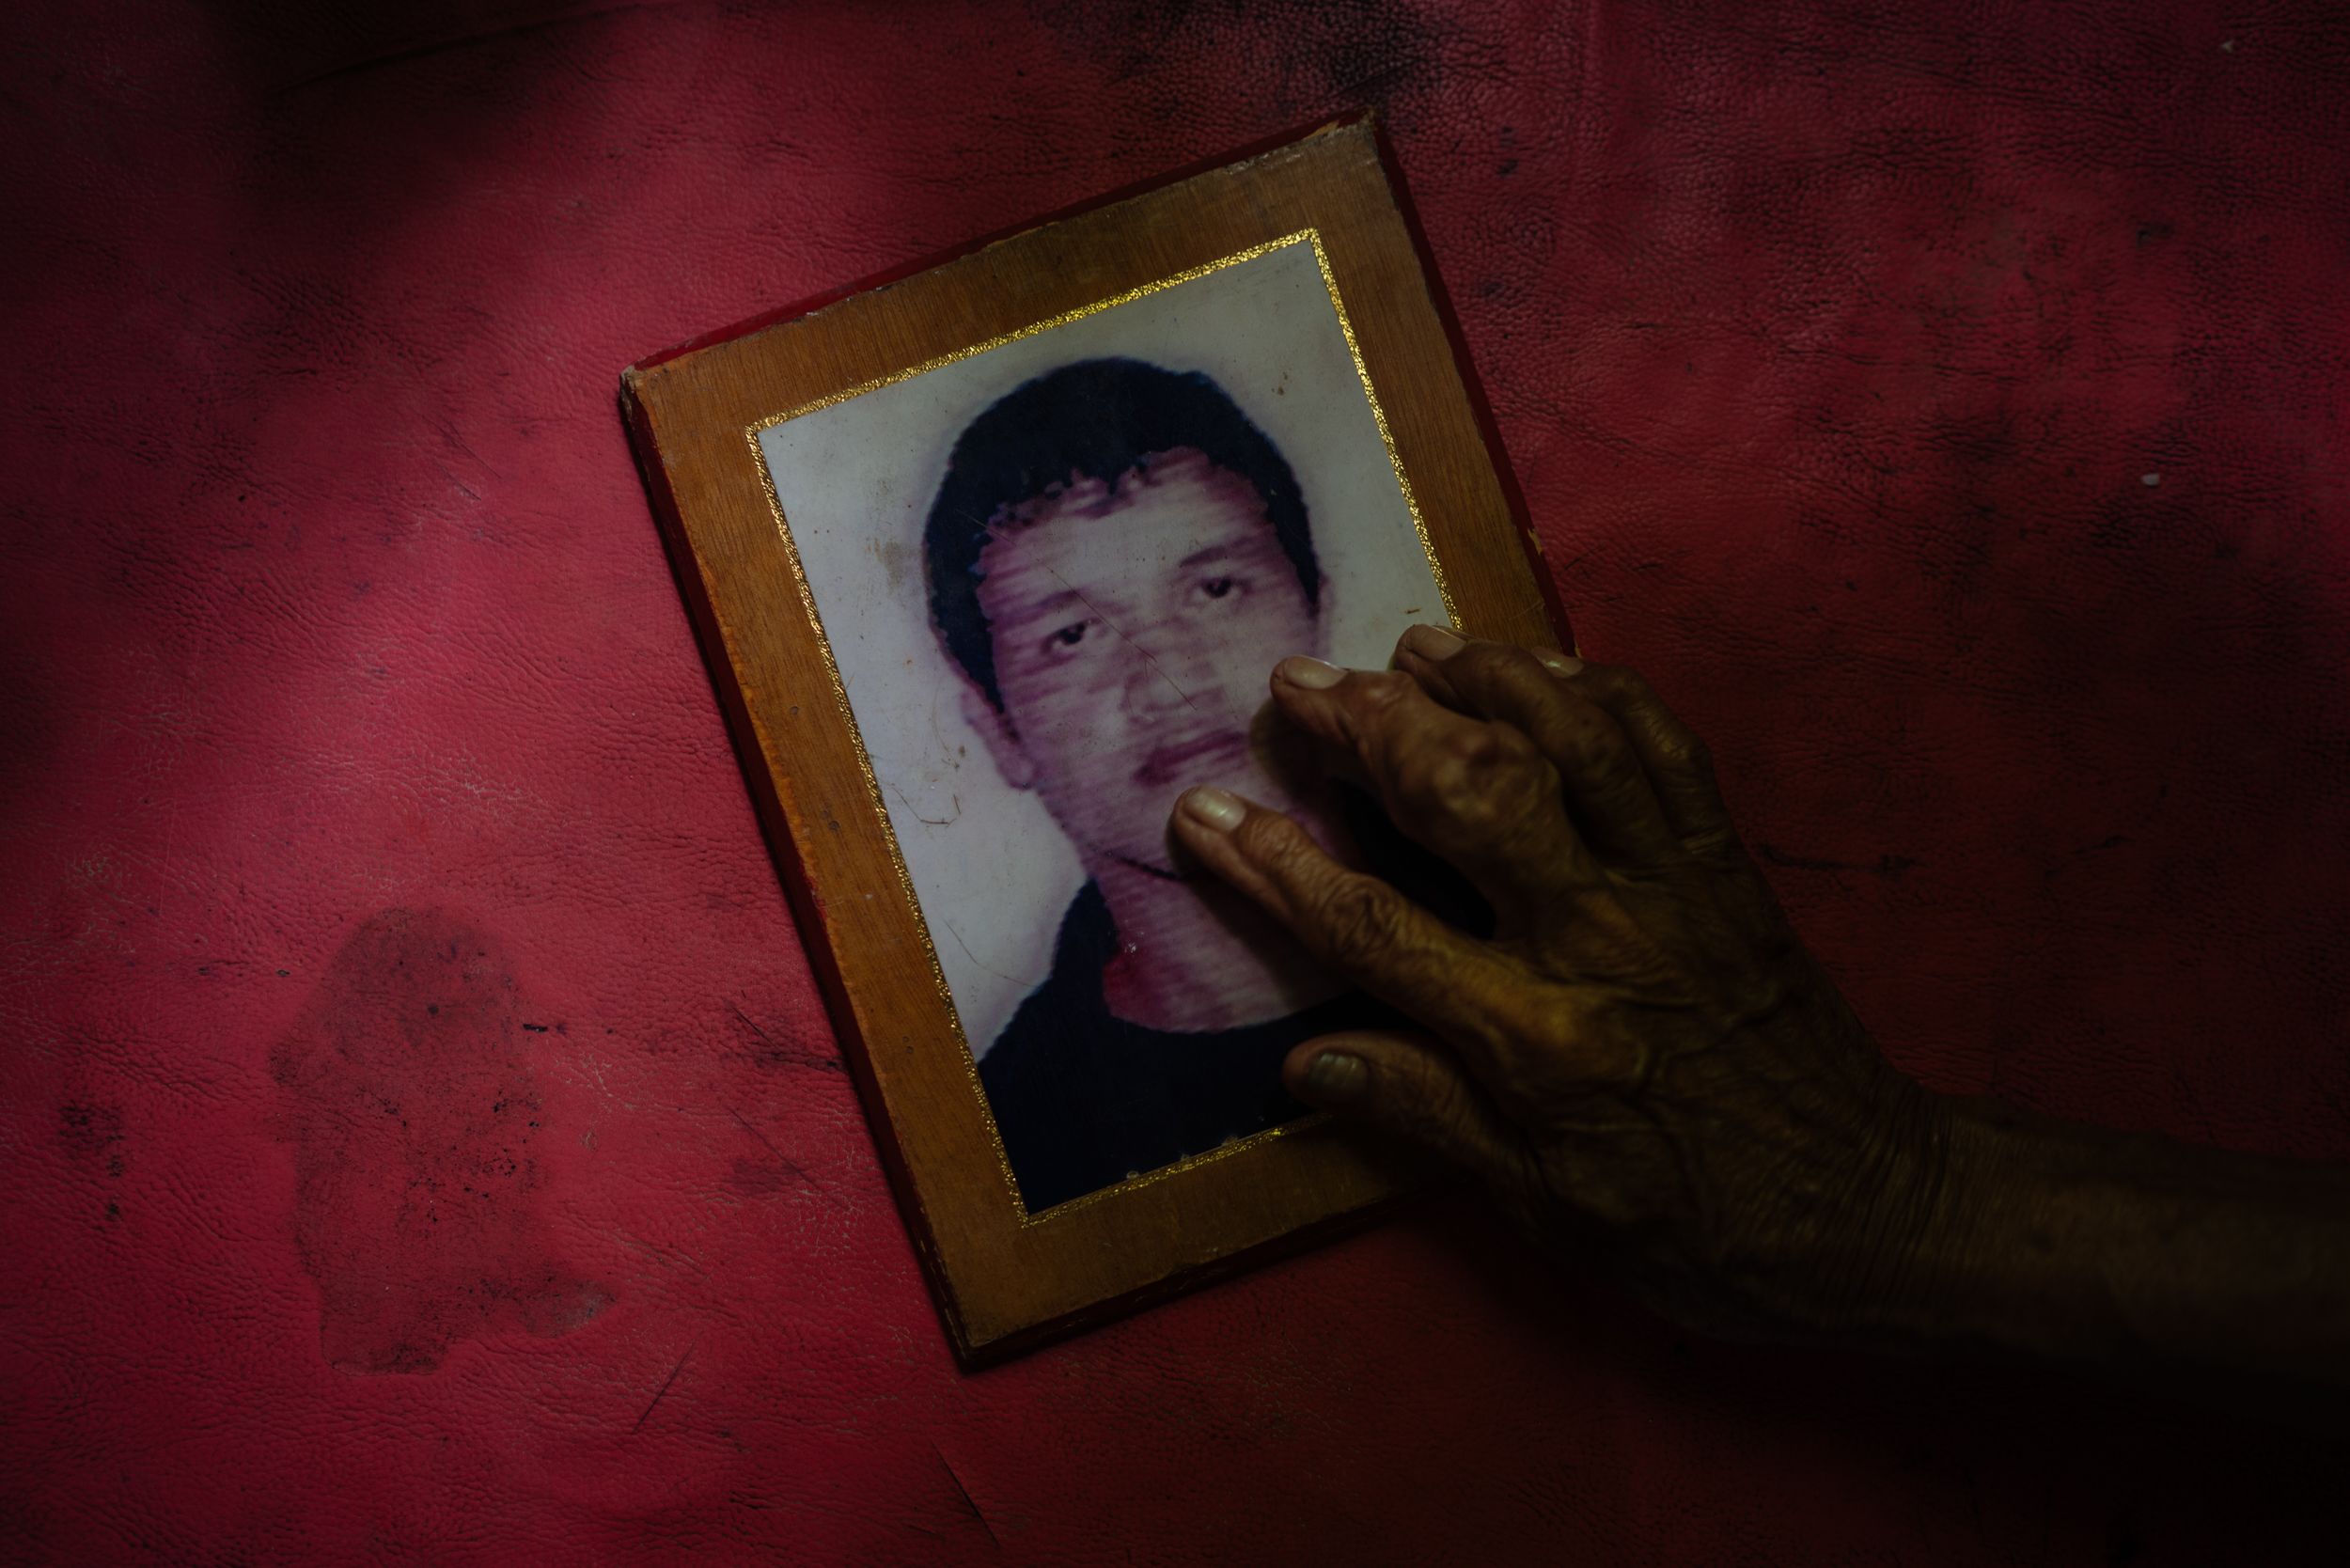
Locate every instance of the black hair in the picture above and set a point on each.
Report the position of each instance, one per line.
(1095, 419)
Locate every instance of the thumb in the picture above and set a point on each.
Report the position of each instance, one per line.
(1405, 1084)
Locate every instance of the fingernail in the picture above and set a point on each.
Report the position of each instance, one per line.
(1561, 663)
(1312, 674)
(1334, 1077)
(1213, 807)
(1433, 642)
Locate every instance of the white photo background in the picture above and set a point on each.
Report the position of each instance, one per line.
(855, 480)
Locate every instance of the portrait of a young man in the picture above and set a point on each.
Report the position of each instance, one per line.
(1115, 557)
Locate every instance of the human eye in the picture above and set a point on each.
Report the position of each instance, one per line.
(1226, 587)
(1064, 643)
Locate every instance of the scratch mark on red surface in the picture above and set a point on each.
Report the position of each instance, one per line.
(771, 1053)
(471, 494)
(781, 1158)
(1890, 867)
(968, 1501)
(662, 1393)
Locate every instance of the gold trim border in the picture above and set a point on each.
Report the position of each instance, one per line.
(856, 735)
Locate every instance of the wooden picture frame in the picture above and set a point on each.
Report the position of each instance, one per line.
(1006, 1278)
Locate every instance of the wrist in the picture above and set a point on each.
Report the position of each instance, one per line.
(2125, 1252)
(1996, 1249)
(1900, 1229)
(1967, 1278)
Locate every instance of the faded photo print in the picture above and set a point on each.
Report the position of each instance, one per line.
(1054, 575)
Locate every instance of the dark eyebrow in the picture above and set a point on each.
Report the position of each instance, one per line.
(1055, 601)
(1201, 557)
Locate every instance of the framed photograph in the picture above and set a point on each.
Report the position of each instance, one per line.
(991, 561)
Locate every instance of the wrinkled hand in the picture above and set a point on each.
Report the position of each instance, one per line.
(1643, 1063)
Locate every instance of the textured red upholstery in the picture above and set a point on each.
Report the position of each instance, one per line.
(1949, 406)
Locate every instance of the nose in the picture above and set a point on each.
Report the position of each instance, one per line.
(1157, 681)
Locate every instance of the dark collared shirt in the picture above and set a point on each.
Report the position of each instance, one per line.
(1082, 1099)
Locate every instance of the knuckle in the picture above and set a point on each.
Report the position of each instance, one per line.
(1536, 1032)
(1477, 774)
(1716, 848)
(1379, 690)
(1476, 749)
(1682, 752)
(1511, 673)
(1270, 840)
(1437, 1115)
(1496, 658)
(1586, 743)
(1621, 678)
(1674, 742)
(1627, 689)
(1357, 919)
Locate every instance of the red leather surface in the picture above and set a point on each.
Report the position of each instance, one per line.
(1946, 406)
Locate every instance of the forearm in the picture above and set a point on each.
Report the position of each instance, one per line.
(2133, 1255)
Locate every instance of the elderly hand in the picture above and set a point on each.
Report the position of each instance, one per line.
(1642, 1059)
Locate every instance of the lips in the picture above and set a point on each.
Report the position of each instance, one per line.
(1167, 763)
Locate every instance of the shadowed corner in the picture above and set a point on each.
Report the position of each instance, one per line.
(415, 1114)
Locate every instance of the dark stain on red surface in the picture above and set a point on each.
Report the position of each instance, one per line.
(92, 1136)
(92, 1131)
(416, 1119)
